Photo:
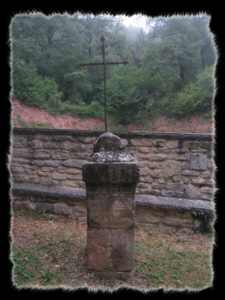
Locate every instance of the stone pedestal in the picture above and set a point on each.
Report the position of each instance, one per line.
(111, 175)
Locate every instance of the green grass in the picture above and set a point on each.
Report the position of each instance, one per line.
(50, 251)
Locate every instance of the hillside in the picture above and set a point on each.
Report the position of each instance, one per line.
(27, 116)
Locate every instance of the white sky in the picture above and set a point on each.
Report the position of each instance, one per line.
(135, 20)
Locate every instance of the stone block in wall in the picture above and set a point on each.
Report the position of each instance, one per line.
(146, 179)
(142, 156)
(47, 181)
(171, 144)
(51, 163)
(159, 143)
(41, 173)
(190, 173)
(79, 210)
(60, 154)
(154, 165)
(48, 208)
(142, 142)
(160, 150)
(73, 163)
(22, 153)
(42, 154)
(16, 169)
(58, 176)
(157, 157)
(73, 171)
(143, 149)
(23, 206)
(171, 193)
(75, 177)
(61, 209)
(156, 173)
(172, 169)
(35, 144)
(144, 172)
(153, 192)
(51, 145)
(19, 141)
(193, 144)
(192, 192)
(197, 161)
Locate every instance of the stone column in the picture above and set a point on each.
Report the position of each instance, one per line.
(111, 175)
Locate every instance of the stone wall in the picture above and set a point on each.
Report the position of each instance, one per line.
(171, 164)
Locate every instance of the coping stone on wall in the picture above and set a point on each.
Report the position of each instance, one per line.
(122, 134)
(140, 200)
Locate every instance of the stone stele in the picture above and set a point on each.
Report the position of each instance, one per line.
(111, 175)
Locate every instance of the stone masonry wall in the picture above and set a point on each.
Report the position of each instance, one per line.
(171, 164)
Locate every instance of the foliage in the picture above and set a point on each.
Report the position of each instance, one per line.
(196, 97)
(169, 72)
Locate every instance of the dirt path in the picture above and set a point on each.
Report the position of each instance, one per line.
(25, 116)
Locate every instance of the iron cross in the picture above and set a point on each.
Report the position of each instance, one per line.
(104, 63)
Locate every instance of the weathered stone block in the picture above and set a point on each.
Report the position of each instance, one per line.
(111, 176)
(143, 142)
(170, 193)
(60, 154)
(193, 144)
(51, 145)
(41, 173)
(42, 154)
(24, 206)
(179, 157)
(46, 207)
(73, 163)
(73, 171)
(143, 149)
(178, 187)
(192, 192)
(144, 172)
(172, 144)
(99, 249)
(190, 173)
(197, 161)
(47, 181)
(79, 210)
(154, 165)
(58, 176)
(159, 143)
(110, 211)
(156, 173)
(123, 249)
(61, 209)
(47, 169)
(35, 144)
(157, 157)
(143, 156)
(113, 173)
(22, 153)
(51, 163)
(160, 150)
(172, 169)
(76, 177)
(16, 169)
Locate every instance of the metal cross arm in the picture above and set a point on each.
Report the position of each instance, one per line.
(104, 63)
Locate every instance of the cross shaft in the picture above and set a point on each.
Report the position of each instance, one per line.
(104, 63)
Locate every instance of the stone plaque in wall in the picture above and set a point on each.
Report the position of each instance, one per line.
(197, 161)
